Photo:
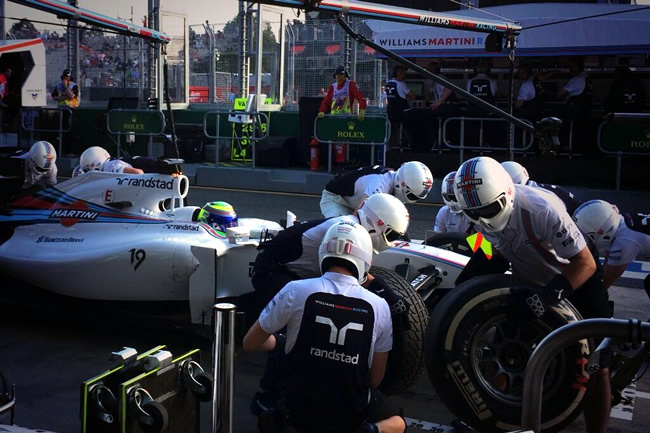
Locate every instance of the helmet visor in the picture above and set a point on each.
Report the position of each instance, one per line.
(392, 235)
(41, 169)
(450, 197)
(488, 211)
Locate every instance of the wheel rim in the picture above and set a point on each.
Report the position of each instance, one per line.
(500, 349)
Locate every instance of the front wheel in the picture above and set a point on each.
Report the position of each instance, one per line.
(406, 359)
(477, 347)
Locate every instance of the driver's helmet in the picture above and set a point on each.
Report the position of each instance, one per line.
(517, 172)
(77, 171)
(93, 159)
(43, 156)
(599, 221)
(485, 192)
(348, 241)
(448, 195)
(385, 218)
(413, 182)
(219, 215)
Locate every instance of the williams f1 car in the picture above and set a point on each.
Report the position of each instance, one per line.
(131, 238)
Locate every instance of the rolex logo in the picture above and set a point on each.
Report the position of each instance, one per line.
(351, 125)
(134, 118)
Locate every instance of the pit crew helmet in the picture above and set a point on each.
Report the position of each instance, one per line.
(413, 182)
(485, 192)
(385, 218)
(349, 241)
(599, 221)
(219, 215)
(93, 159)
(517, 172)
(77, 171)
(448, 194)
(43, 156)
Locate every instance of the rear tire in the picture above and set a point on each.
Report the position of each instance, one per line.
(477, 347)
(406, 359)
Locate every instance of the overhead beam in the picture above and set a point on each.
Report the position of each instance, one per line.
(66, 11)
(399, 14)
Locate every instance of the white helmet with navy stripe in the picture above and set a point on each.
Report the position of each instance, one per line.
(517, 172)
(448, 194)
(348, 241)
(43, 156)
(485, 192)
(598, 220)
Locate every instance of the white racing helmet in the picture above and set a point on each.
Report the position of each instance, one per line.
(43, 156)
(517, 172)
(386, 219)
(485, 192)
(93, 158)
(448, 194)
(599, 221)
(349, 241)
(413, 182)
(77, 171)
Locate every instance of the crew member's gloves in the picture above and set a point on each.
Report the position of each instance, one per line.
(399, 307)
(361, 115)
(280, 342)
(321, 114)
(540, 300)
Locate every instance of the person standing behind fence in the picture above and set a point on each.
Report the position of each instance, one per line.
(67, 95)
(339, 100)
(341, 95)
(397, 96)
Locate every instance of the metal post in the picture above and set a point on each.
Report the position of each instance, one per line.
(223, 354)
(629, 330)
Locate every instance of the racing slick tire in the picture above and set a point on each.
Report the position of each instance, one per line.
(452, 241)
(477, 347)
(406, 359)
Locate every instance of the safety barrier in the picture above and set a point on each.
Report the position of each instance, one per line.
(249, 127)
(135, 122)
(223, 356)
(527, 138)
(373, 130)
(631, 330)
(624, 134)
(28, 116)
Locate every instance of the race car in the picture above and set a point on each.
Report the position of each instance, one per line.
(113, 237)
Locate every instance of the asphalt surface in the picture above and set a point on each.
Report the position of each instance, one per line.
(49, 345)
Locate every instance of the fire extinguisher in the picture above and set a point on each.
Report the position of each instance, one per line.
(339, 153)
(314, 155)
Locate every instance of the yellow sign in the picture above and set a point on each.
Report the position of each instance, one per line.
(477, 241)
(240, 103)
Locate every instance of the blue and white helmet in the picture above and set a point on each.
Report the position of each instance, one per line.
(448, 194)
(43, 156)
(485, 192)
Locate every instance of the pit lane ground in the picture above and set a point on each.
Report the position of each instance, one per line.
(49, 346)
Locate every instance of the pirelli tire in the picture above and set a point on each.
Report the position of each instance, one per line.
(478, 343)
(452, 241)
(406, 359)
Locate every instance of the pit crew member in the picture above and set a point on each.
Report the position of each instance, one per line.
(342, 396)
(343, 195)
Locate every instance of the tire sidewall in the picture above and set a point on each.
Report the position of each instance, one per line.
(406, 358)
(457, 322)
